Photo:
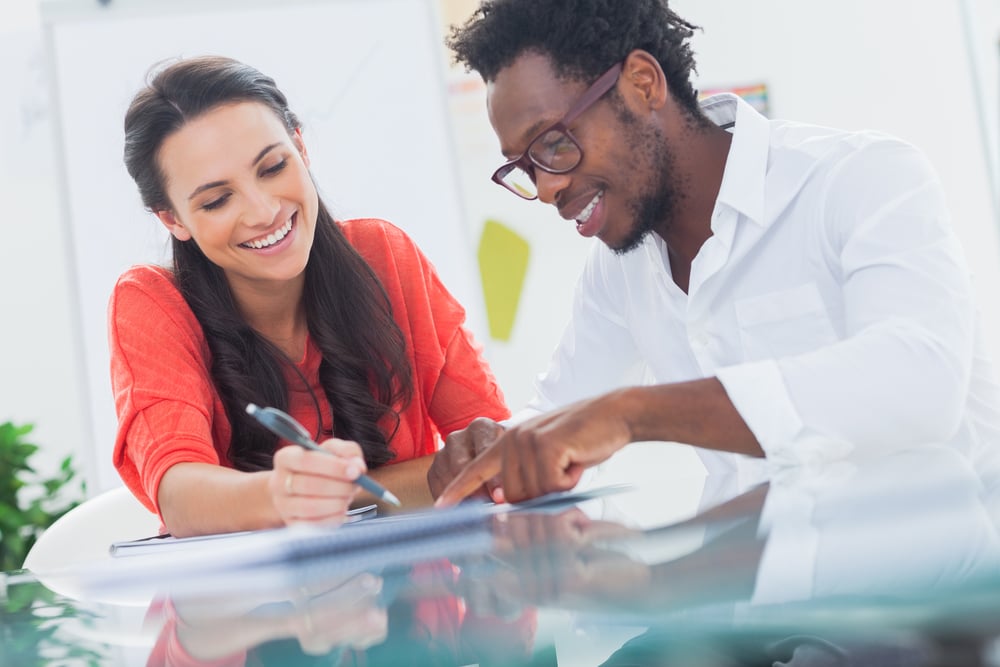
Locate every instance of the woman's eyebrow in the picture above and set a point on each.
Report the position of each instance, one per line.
(214, 184)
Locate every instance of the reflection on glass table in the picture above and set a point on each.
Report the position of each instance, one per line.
(886, 562)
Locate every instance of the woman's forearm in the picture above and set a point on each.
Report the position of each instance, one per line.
(407, 480)
(201, 498)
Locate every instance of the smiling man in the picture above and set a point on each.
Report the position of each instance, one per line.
(793, 292)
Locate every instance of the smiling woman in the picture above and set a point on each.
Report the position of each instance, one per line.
(343, 324)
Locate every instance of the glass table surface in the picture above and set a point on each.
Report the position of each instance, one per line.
(888, 562)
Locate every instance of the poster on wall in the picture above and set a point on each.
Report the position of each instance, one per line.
(755, 94)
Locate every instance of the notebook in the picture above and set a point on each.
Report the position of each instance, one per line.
(169, 543)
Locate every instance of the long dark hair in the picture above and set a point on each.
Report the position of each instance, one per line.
(365, 372)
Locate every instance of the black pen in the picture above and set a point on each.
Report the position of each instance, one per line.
(284, 426)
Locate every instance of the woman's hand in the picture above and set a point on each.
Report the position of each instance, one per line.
(314, 487)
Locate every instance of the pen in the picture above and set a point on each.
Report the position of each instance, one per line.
(284, 426)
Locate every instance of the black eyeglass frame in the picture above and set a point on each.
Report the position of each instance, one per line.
(527, 163)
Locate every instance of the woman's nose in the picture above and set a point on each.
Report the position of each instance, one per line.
(261, 207)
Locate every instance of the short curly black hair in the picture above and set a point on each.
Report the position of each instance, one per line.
(583, 38)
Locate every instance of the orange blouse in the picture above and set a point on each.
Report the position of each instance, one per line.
(170, 412)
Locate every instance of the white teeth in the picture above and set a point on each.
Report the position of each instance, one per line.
(271, 238)
(589, 210)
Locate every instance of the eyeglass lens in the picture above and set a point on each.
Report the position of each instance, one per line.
(555, 151)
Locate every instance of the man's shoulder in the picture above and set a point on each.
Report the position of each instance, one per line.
(820, 142)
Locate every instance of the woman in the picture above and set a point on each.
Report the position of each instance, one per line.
(270, 301)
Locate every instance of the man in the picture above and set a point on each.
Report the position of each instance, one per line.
(794, 292)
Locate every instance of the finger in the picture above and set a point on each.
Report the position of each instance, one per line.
(309, 485)
(449, 461)
(484, 433)
(497, 494)
(302, 509)
(349, 451)
(322, 464)
(533, 472)
(513, 471)
(472, 477)
(459, 449)
(343, 448)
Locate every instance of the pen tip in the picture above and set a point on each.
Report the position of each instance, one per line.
(251, 408)
(390, 497)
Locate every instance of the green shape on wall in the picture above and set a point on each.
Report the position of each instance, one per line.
(503, 263)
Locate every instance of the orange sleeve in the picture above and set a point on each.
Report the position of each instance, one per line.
(160, 377)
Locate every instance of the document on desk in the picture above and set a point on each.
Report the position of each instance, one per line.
(164, 543)
(168, 543)
(278, 556)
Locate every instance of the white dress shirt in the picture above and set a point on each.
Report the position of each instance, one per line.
(832, 301)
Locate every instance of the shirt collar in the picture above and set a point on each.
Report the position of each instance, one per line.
(743, 181)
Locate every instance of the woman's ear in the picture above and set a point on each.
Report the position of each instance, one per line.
(301, 145)
(179, 231)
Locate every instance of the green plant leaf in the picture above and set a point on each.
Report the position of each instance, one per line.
(23, 521)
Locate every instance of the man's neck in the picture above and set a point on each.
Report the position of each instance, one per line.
(701, 163)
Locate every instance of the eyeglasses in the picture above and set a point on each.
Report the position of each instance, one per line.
(554, 150)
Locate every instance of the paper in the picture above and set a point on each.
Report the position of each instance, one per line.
(165, 543)
(268, 559)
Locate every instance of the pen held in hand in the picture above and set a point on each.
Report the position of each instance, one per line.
(285, 426)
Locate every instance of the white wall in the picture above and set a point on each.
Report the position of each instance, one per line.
(39, 369)
(897, 65)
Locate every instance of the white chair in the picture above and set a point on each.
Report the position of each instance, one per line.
(84, 534)
(86, 531)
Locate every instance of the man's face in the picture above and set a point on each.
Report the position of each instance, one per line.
(625, 185)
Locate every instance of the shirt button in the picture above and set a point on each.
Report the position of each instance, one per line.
(699, 338)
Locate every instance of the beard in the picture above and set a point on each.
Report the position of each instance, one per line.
(652, 210)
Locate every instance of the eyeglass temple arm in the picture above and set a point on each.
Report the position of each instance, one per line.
(603, 84)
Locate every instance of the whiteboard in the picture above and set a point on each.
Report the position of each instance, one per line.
(367, 80)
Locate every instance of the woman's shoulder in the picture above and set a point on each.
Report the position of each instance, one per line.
(374, 233)
(146, 285)
(147, 277)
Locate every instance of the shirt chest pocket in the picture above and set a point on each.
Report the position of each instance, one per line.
(783, 323)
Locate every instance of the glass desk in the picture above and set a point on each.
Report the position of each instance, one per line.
(888, 562)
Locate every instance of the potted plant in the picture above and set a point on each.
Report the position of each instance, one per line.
(29, 502)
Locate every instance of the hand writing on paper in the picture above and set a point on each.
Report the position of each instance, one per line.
(308, 486)
(460, 448)
(545, 454)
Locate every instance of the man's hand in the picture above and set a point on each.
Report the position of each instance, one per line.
(460, 448)
(547, 453)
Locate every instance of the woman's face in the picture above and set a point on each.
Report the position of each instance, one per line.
(239, 186)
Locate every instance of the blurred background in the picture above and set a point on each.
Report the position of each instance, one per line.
(396, 131)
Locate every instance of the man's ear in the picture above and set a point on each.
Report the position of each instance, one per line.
(169, 221)
(301, 145)
(645, 79)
